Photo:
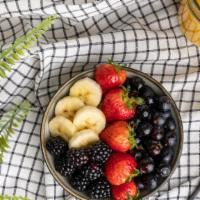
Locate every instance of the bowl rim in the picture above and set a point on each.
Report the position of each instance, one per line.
(146, 76)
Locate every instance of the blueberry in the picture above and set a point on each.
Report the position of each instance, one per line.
(150, 180)
(157, 133)
(143, 112)
(163, 170)
(146, 165)
(127, 84)
(170, 139)
(140, 184)
(139, 154)
(158, 119)
(166, 155)
(143, 129)
(138, 140)
(136, 83)
(170, 124)
(154, 148)
(150, 100)
(166, 114)
(164, 103)
(146, 91)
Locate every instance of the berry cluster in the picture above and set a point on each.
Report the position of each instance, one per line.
(83, 167)
(155, 132)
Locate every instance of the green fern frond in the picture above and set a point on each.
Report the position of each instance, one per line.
(9, 121)
(18, 49)
(8, 197)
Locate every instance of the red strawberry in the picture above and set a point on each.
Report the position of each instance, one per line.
(118, 106)
(126, 191)
(120, 168)
(118, 136)
(110, 75)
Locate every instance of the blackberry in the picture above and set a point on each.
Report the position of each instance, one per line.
(91, 171)
(64, 166)
(56, 146)
(99, 152)
(99, 189)
(78, 157)
(79, 183)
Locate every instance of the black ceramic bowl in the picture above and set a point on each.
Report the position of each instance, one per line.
(44, 134)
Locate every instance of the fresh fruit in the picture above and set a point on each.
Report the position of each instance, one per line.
(99, 189)
(139, 183)
(99, 152)
(163, 170)
(146, 165)
(110, 76)
(120, 168)
(136, 83)
(157, 133)
(117, 105)
(118, 136)
(166, 155)
(150, 100)
(68, 106)
(170, 139)
(154, 148)
(91, 171)
(56, 146)
(143, 129)
(125, 191)
(63, 127)
(166, 114)
(83, 138)
(64, 166)
(89, 117)
(170, 124)
(143, 112)
(164, 103)
(88, 90)
(78, 157)
(150, 181)
(79, 182)
(146, 91)
(158, 119)
(139, 154)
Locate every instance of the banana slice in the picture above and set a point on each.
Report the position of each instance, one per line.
(68, 106)
(89, 117)
(83, 139)
(88, 90)
(61, 126)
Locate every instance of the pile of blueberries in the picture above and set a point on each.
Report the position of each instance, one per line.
(156, 137)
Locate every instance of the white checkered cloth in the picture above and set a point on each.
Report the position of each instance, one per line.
(144, 34)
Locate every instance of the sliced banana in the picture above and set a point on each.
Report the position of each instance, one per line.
(68, 106)
(89, 117)
(88, 90)
(61, 126)
(83, 139)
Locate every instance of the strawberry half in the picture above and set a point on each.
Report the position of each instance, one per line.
(120, 168)
(126, 191)
(119, 136)
(110, 75)
(117, 105)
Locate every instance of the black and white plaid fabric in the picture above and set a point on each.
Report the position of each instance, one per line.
(144, 34)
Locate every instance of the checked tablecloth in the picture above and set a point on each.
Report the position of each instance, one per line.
(144, 34)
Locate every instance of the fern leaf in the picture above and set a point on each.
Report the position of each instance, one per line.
(9, 121)
(11, 55)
